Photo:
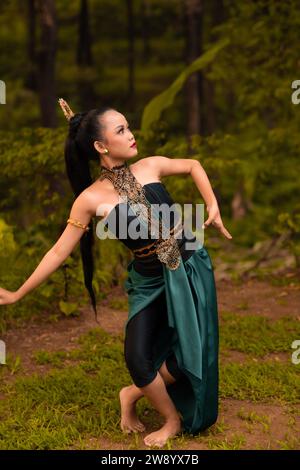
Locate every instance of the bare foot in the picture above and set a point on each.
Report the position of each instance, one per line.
(159, 438)
(129, 419)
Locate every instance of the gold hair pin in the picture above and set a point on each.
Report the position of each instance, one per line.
(66, 109)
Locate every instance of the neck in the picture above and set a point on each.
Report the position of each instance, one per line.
(114, 167)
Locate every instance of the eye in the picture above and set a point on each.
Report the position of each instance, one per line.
(122, 129)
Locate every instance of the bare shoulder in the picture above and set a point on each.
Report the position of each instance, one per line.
(92, 197)
(83, 203)
(147, 166)
(99, 198)
(150, 162)
(166, 166)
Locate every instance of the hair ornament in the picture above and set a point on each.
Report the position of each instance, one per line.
(66, 109)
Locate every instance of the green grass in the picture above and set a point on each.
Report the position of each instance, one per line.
(235, 442)
(12, 366)
(291, 442)
(272, 382)
(257, 335)
(119, 303)
(71, 403)
(54, 410)
(251, 418)
(55, 358)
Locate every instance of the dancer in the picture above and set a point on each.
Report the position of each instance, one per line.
(171, 335)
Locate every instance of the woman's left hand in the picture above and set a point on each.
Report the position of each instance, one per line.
(214, 218)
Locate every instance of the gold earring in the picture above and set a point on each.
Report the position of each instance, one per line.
(105, 151)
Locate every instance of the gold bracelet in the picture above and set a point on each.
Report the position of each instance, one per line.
(78, 224)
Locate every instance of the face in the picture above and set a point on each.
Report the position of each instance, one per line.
(118, 137)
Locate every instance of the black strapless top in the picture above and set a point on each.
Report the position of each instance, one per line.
(156, 193)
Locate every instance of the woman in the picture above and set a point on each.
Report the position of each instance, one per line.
(171, 341)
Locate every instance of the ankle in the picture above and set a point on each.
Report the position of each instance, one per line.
(174, 419)
(131, 394)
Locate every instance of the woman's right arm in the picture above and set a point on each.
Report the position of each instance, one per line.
(82, 211)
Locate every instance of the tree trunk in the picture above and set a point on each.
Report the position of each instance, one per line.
(84, 59)
(31, 81)
(217, 16)
(131, 39)
(193, 44)
(240, 204)
(46, 62)
(145, 29)
(84, 53)
(208, 117)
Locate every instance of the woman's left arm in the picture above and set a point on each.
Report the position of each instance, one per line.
(172, 166)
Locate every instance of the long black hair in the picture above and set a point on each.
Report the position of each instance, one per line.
(84, 129)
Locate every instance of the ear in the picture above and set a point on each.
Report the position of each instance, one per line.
(98, 146)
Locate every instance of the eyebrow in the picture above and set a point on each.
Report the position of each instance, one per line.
(121, 125)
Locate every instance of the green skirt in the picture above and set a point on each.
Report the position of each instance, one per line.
(193, 335)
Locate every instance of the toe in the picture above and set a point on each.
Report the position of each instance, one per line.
(126, 429)
(148, 442)
(153, 441)
(141, 427)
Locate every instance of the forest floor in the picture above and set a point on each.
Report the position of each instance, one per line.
(60, 385)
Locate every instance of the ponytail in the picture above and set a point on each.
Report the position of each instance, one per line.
(84, 129)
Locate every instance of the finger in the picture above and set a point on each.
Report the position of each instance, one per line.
(226, 233)
(207, 222)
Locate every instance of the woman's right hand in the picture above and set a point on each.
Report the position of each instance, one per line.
(8, 297)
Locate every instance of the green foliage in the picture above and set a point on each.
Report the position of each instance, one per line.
(7, 241)
(154, 109)
(289, 225)
(254, 149)
(68, 308)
